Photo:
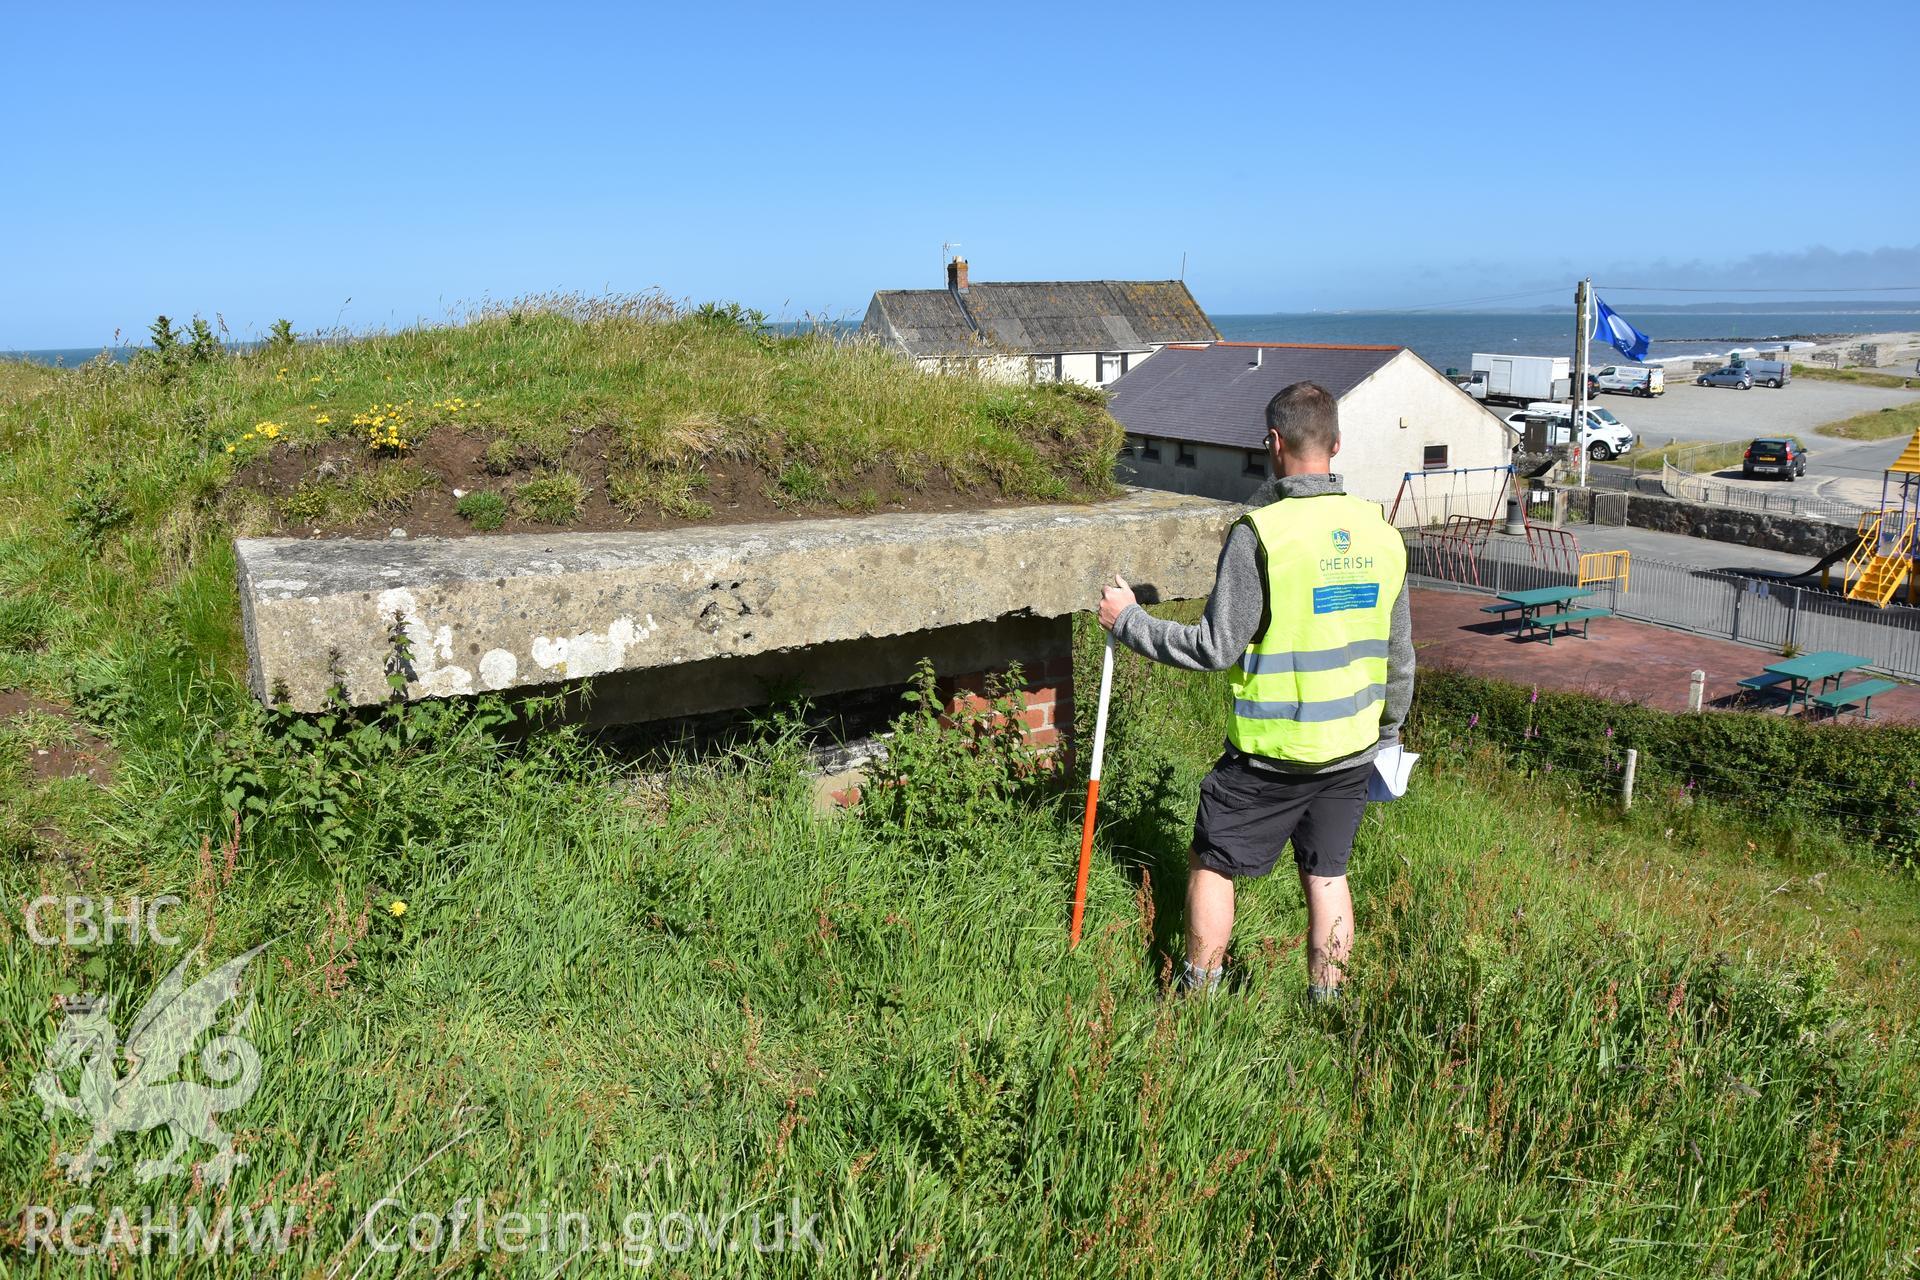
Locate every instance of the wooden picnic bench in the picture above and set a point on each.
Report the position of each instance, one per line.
(1565, 618)
(1858, 694)
(1827, 668)
(1534, 604)
(1765, 680)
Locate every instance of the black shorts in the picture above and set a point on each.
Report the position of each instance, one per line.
(1247, 815)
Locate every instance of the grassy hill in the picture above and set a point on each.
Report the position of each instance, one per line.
(563, 413)
(659, 1001)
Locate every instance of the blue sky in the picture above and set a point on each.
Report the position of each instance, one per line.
(269, 160)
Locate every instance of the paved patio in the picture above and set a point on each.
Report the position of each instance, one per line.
(1625, 661)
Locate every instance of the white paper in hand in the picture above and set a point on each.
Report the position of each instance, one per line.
(1391, 769)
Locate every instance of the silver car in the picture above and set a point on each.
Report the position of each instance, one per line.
(1727, 376)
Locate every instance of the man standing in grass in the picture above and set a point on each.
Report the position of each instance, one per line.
(1309, 611)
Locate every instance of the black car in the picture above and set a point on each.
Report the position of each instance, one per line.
(1781, 457)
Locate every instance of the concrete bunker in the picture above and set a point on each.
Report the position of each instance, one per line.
(683, 622)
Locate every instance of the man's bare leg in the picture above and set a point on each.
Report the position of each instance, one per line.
(1329, 929)
(1209, 923)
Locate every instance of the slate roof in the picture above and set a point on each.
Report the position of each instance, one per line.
(1215, 394)
(1039, 317)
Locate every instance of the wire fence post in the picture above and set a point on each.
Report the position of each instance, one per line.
(1697, 690)
(1626, 778)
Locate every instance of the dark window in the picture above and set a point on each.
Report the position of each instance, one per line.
(1434, 458)
(1256, 463)
(1150, 449)
(1185, 458)
(1127, 449)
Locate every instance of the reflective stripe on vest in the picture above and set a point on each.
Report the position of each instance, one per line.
(1312, 686)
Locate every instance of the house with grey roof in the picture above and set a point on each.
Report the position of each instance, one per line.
(1087, 331)
(1196, 423)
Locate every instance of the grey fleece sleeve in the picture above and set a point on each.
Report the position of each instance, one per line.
(1233, 614)
(1399, 669)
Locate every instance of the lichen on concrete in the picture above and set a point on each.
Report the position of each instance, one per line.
(522, 611)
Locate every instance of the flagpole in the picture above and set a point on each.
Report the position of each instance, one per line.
(1581, 293)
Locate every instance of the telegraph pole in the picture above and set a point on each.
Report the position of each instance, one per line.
(1581, 293)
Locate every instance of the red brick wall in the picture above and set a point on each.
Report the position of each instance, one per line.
(1046, 696)
(1047, 699)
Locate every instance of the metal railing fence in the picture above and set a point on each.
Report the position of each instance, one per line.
(1692, 487)
(1727, 606)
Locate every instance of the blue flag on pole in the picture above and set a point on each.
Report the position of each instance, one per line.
(1611, 329)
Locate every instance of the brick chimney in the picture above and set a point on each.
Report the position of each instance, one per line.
(957, 275)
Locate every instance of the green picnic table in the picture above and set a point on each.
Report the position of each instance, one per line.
(1531, 603)
(1826, 666)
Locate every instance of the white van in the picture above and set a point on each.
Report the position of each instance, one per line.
(1605, 437)
(1631, 379)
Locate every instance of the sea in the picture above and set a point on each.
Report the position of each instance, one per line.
(1448, 339)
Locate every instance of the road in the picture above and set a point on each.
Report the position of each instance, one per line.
(1697, 553)
(1844, 470)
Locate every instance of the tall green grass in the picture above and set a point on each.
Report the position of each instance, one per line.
(693, 995)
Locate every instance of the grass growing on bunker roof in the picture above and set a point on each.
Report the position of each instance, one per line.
(638, 396)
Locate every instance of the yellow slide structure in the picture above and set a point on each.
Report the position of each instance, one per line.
(1884, 558)
(1882, 566)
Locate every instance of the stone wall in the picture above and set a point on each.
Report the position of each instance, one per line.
(1795, 535)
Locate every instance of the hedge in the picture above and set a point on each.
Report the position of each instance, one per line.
(1861, 779)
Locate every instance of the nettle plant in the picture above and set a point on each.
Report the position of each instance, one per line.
(948, 775)
(347, 782)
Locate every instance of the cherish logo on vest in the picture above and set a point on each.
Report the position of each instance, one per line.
(1341, 541)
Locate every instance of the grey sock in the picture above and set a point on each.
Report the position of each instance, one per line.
(1194, 978)
(1317, 994)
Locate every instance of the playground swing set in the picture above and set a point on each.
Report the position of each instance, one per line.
(1450, 541)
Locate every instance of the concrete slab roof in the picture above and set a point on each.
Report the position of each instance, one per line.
(524, 610)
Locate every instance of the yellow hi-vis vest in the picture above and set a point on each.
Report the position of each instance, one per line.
(1312, 685)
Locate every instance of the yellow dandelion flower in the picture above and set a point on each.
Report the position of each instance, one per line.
(396, 908)
(232, 447)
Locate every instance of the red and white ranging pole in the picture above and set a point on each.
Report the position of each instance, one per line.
(1093, 794)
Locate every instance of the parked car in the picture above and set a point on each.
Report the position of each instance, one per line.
(1727, 376)
(1780, 457)
(1768, 373)
(1631, 379)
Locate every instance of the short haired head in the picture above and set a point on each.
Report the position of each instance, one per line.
(1306, 418)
